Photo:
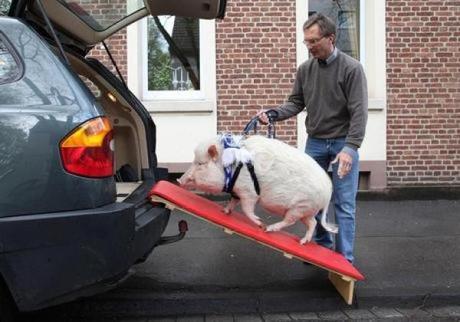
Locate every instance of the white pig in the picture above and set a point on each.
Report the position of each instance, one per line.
(291, 183)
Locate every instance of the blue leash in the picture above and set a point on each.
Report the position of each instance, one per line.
(271, 130)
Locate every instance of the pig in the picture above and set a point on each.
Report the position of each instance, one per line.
(291, 183)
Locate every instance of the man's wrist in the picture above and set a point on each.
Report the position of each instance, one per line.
(350, 149)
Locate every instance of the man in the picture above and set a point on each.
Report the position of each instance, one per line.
(332, 87)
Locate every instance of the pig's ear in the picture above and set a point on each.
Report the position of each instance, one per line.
(212, 151)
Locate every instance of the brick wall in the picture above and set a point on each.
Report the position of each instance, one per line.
(423, 81)
(106, 13)
(117, 46)
(256, 62)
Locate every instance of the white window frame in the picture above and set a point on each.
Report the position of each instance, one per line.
(302, 14)
(202, 100)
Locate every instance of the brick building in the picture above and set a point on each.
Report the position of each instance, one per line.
(410, 51)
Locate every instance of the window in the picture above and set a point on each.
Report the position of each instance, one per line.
(10, 68)
(181, 65)
(173, 59)
(100, 15)
(346, 15)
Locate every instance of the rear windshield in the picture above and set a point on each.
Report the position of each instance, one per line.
(102, 14)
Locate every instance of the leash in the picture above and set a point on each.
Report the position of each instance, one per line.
(271, 129)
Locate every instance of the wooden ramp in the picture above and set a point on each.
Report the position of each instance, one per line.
(341, 273)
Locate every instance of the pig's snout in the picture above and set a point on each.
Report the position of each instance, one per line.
(183, 181)
(186, 180)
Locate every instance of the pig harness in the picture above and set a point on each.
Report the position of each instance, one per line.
(234, 153)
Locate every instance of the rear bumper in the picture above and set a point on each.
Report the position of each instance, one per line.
(48, 259)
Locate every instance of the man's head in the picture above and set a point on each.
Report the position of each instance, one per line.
(319, 35)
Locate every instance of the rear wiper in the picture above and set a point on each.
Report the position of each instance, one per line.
(53, 33)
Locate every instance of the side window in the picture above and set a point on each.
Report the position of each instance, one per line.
(5, 6)
(10, 67)
(345, 14)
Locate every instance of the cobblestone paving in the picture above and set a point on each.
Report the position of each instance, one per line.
(445, 313)
(439, 313)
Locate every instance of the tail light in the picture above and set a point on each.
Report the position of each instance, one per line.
(89, 149)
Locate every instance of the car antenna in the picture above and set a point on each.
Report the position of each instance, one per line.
(53, 33)
(114, 63)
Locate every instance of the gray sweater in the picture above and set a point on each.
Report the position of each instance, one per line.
(335, 96)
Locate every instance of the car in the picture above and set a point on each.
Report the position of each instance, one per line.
(75, 169)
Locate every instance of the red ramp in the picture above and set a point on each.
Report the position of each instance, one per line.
(341, 273)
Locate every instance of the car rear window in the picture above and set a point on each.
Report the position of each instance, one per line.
(100, 15)
(10, 65)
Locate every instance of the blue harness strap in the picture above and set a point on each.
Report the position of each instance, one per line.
(252, 172)
(228, 141)
(251, 126)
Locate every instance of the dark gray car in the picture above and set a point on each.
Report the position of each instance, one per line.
(75, 169)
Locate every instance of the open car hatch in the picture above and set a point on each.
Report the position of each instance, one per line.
(88, 27)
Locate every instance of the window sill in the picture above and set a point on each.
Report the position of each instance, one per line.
(173, 106)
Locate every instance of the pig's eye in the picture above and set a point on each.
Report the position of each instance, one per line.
(201, 163)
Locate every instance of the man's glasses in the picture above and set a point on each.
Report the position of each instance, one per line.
(312, 42)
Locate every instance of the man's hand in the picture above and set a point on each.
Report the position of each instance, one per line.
(263, 118)
(345, 163)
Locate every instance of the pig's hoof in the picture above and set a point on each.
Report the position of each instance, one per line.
(303, 241)
(259, 224)
(256, 220)
(227, 211)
